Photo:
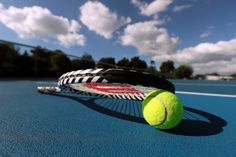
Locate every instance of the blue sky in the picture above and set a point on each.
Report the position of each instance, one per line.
(200, 33)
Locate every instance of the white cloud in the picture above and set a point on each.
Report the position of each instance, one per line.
(98, 18)
(40, 23)
(148, 38)
(71, 39)
(155, 7)
(205, 34)
(221, 67)
(161, 21)
(1, 5)
(153, 41)
(206, 57)
(179, 8)
(211, 27)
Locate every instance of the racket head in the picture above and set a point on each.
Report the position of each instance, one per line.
(125, 76)
(112, 83)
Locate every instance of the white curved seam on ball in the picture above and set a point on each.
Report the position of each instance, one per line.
(166, 113)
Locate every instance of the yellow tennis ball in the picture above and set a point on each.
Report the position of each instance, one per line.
(162, 109)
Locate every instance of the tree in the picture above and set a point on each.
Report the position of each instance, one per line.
(152, 68)
(215, 74)
(85, 62)
(167, 68)
(8, 60)
(234, 75)
(136, 62)
(124, 62)
(184, 71)
(107, 62)
(42, 61)
(152, 63)
(60, 63)
(25, 65)
(199, 77)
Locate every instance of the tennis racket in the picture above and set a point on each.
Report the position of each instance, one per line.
(110, 83)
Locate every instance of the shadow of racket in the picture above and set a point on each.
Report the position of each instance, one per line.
(194, 123)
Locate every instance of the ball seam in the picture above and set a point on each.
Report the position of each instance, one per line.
(166, 112)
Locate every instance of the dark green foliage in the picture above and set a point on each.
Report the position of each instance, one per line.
(152, 68)
(60, 63)
(199, 77)
(215, 74)
(136, 62)
(167, 67)
(184, 72)
(124, 62)
(40, 62)
(8, 59)
(234, 76)
(25, 68)
(152, 63)
(107, 62)
(85, 62)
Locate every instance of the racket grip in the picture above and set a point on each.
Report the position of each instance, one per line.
(48, 89)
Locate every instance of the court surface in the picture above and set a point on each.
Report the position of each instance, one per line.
(34, 124)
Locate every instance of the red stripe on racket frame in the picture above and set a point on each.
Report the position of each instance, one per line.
(113, 88)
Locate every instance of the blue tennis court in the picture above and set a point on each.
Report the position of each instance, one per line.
(34, 124)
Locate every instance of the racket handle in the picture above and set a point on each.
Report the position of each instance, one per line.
(48, 89)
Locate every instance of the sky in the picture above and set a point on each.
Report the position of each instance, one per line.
(199, 33)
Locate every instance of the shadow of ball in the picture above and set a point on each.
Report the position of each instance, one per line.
(189, 127)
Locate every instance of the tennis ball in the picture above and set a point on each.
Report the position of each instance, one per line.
(162, 109)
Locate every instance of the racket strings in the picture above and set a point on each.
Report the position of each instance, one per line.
(124, 107)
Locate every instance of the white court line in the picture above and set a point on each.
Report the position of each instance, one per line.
(205, 84)
(206, 94)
